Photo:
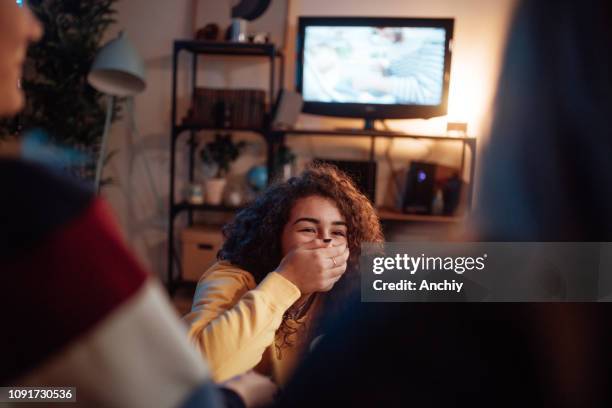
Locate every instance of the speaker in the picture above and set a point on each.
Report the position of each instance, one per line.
(422, 183)
(363, 174)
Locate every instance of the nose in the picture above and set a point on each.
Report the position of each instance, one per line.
(325, 235)
(33, 27)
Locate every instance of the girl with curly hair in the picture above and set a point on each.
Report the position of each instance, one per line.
(288, 258)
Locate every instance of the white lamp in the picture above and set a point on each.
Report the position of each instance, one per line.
(119, 71)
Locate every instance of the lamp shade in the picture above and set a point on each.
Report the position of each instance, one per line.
(118, 70)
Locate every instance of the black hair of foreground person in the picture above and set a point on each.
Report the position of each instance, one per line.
(547, 168)
(459, 355)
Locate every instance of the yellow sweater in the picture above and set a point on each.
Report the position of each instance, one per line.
(234, 322)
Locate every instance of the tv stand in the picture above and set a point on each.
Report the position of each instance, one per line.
(277, 138)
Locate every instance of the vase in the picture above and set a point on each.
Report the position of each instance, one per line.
(214, 190)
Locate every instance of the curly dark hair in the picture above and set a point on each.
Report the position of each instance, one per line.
(253, 239)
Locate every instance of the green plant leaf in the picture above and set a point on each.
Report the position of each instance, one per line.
(59, 99)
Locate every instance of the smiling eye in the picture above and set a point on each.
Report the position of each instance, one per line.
(310, 230)
(339, 233)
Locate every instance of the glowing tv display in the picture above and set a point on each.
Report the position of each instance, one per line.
(374, 67)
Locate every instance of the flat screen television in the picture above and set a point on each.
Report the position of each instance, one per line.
(374, 68)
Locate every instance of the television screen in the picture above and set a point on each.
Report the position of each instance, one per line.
(374, 67)
(383, 65)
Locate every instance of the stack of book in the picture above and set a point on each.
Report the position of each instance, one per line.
(228, 108)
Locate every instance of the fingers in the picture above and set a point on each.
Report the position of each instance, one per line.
(336, 273)
(337, 278)
(333, 273)
(331, 282)
(325, 249)
(255, 389)
(334, 251)
(315, 244)
(339, 260)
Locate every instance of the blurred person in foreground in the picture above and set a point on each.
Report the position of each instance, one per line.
(77, 309)
(546, 175)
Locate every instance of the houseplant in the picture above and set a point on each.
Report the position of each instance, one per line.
(218, 155)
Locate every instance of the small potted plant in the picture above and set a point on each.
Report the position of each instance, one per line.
(218, 156)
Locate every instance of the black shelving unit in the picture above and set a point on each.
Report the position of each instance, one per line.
(181, 127)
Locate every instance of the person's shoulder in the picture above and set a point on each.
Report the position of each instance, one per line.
(28, 181)
(35, 201)
(226, 271)
(222, 285)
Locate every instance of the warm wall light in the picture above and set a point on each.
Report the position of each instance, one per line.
(471, 90)
(457, 127)
(466, 104)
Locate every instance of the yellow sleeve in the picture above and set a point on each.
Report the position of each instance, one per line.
(232, 322)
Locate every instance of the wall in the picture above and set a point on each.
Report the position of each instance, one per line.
(140, 169)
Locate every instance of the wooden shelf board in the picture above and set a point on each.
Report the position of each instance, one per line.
(226, 48)
(187, 126)
(370, 133)
(205, 207)
(387, 214)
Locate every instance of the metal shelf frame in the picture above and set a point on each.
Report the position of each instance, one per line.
(198, 49)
